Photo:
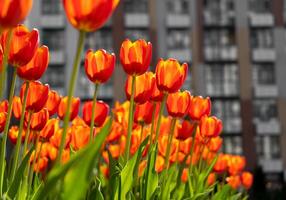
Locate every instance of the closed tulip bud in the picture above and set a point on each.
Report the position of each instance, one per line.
(3, 117)
(184, 176)
(99, 65)
(178, 103)
(233, 181)
(143, 112)
(211, 179)
(170, 75)
(210, 126)
(143, 88)
(4, 106)
(186, 130)
(53, 102)
(37, 97)
(101, 112)
(23, 45)
(247, 179)
(157, 95)
(13, 134)
(17, 107)
(89, 15)
(62, 109)
(38, 119)
(135, 56)
(199, 107)
(35, 69)
(14, 12)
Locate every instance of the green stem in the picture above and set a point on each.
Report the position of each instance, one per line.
(170, 138)
(192, 148)
(93, 112)
(6, 128)
(141, 132)
(18, 144)
(153, 121)
(27, 135)
(5, 62)
(130, 119)
(160, 116)
(71, 89)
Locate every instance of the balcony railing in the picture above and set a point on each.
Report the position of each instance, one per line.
(53, 21)
(180, 54)
(178, 20)
(271, 127)
(261, 20)
(265, 91)
(220, 53)
(271, 165)
(263, 54)
(138, 20)
(57, 57)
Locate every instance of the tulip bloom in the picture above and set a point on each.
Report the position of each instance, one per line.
(186, 130)
(199, 107)
(37, 96)
(135, 57)
(50, 128)
(4, 106)
(178, 103)
(17, 107)
(101, 112)
(89, 15)
(99, 65)
(211, 179)
(143, 112)
(170, 75)
(247, 179)
(236, 164)
(3, 117)
(210, 126)
(221, 164)
(143, 88)
(35, 69)
(159, 165)
(62, 109)
(23, 46)
(53, 102)
(38, 120)
(233, 181)
(13, 134)
(215, 144)
(79, 137)
(157, 95)
(14, 12)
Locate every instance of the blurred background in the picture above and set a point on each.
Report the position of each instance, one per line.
(236, 50)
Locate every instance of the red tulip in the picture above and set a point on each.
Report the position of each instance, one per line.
(178, 104)
(62, 109)
(101, 112)
(210, 126)
(247, 179)
(3, 117)
(53, 102)
(143, 112)
(4, 106)
(38, 120)
(17, 107)
(199, 107)
(186, 130)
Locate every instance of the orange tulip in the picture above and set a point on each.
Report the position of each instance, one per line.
(211, 179)
(101, 112)
(157, 95)
(4, 106)
(13, 134)
(79, 137)
(14, 12)
(162, 145)
(186, 130)
(143, 88)
(184, 176)
(215, 144)
(3, 117)
(170, 75)
(38, 119)
(143, 112)
(37, 95)
(247, 179)
(53, 102)
(35, 69)
(41, 164)
(210, 126)
(178, 103)
(55, 140)
(159, 165)
(142, 166)
(104, 169)
(23, 45)
(221, 164)
(115, 133)
(17, 107)
(99, 65)
(199, 107)
(89, 15)
(233, 181)
(50, 128)
(236, 164)
(135, 56)
(63, 108)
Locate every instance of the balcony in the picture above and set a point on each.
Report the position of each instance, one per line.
(53, 21)
(265, 91)
(220, 53)
(271, 165)
(180, 54)
(57, 57)
(178, 21)
(271, 127)
(261, 20)
(263, 55)
(232, 125)
(137, 20)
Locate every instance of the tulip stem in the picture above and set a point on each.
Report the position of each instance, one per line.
(6, 128)
(71, 89)
(141, 132)
(153, 121)
(130, 119)
(192, 148)
(170, 138)
(18, 144)
(5, 63)
(93, 112)
(27, 135)
(160, 116)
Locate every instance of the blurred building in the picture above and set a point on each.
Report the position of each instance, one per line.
(236, 50)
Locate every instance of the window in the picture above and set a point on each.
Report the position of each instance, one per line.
(232, 145)
(265, 109)
(179, 39)
(51, 7)
(101, 39)
(178, 6)
(260, 6)
(264, 74)
(54, 76)
(219, 37)
(54, 39)
(268, 147)
(135, 34)
(262, 38)
(136, 6)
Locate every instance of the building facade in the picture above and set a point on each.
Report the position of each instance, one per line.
(236, 50)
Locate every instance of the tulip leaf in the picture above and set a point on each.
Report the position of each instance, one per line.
(168, 181)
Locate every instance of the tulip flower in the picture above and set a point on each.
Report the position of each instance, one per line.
(186, 130)
(221, 164)
(50, 128)
(35, 69)
(178, 103)
(41, 164)
(79, 137)
(157, 95)
(3, 117)
(233, 181)
(38, 120)
(159, 165)
(4, 106)
(210, 126)
(23, 45)
(143, 88)
(199, 107)
(247, 179)
(53, 102)
(14, 12)
(99, 65)
(13, 134)
(170, 75)
(63, 108)
(17, 107)
(101, 112)
(135, 57)
(89, 15)
(143, 112)
(211, 179)
(37, 96)
(236, 164)
(215, 144)
(184, 176)
(55, 140)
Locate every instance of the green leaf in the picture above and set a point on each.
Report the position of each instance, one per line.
(169, 181)
(76, 172)
(95, 192)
